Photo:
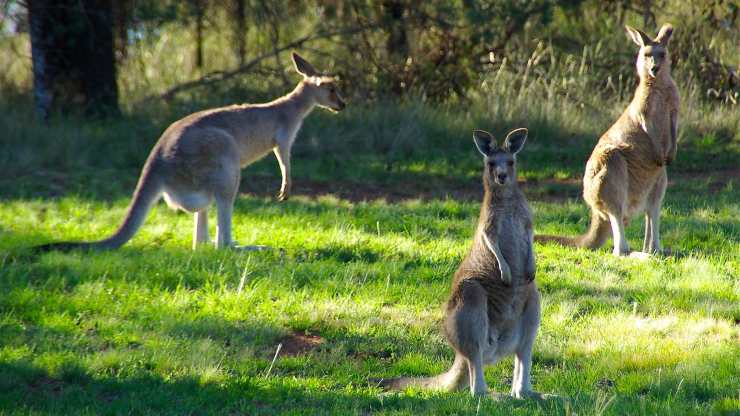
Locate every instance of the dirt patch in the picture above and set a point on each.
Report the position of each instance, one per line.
(549, 190)
(298, 343)
(46, 384)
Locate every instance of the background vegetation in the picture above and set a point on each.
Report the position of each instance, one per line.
(387, 194)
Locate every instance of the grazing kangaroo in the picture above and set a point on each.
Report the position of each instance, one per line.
(626, 173)
(199, 158)
(494, 307)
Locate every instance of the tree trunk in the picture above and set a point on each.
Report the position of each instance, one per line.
(73, 60)
(240, 28)
(122, 15)
(396, 45)
(199, 15)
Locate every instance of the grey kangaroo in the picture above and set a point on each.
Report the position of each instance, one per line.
(626, 173)
(494, 307)
(199, 158)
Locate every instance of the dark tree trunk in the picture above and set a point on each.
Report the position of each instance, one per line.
(199, 12)
(73, 61)
(397, 42)
(240, 28)
(122, 16)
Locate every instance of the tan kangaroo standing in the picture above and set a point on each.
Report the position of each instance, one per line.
(494, 308)
(626, 173)
(199, 158)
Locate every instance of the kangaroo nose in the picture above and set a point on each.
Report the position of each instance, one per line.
(502, 177)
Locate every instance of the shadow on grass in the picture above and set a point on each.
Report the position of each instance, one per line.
(75, 392)
(26, 387)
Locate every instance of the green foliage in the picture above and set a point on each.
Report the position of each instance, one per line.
(436, 50)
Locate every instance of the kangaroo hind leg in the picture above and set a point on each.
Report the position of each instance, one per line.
(200, 229)
(651, 244)
(225, 197)
(467, 330)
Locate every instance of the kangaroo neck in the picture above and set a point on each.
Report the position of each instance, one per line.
(300, 100)
(649, 88)
(495, 193)
(495, 200)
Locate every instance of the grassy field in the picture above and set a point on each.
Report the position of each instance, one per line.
(385, 206)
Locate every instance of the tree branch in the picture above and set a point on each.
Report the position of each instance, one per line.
(220, 76)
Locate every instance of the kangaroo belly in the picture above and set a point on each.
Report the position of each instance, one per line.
(640, 185)
(502, 342)
(188, 201)
(254, 149)
(506, 332)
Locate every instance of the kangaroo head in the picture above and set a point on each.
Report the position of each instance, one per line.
(500, 162)
(653, 59)
(323, 88)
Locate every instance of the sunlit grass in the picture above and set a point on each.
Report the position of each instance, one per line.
(133, 329)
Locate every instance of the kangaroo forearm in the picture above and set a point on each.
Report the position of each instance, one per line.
(282, 153)
(531, 268)
(496, 251)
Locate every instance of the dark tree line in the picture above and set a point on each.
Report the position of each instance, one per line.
(436, 48)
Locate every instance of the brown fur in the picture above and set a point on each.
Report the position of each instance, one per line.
(494, 306)
(199, 158)
(626, 173)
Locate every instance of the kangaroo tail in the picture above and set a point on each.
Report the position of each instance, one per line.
(148, 191)
(595, 237)
(454, 378)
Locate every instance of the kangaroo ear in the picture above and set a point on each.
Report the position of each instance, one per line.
(515, 140)
(484, 141)
(665, 34)
(302, 66)
(638, 36)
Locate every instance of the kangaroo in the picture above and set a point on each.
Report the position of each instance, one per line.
(199, 159)
(626, 173)
(494, 307)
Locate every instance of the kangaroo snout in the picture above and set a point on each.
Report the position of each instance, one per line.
(501, 178)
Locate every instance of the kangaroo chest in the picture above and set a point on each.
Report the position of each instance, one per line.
(513, 239)
(653, 116)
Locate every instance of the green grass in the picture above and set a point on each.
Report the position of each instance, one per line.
(155, 328)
